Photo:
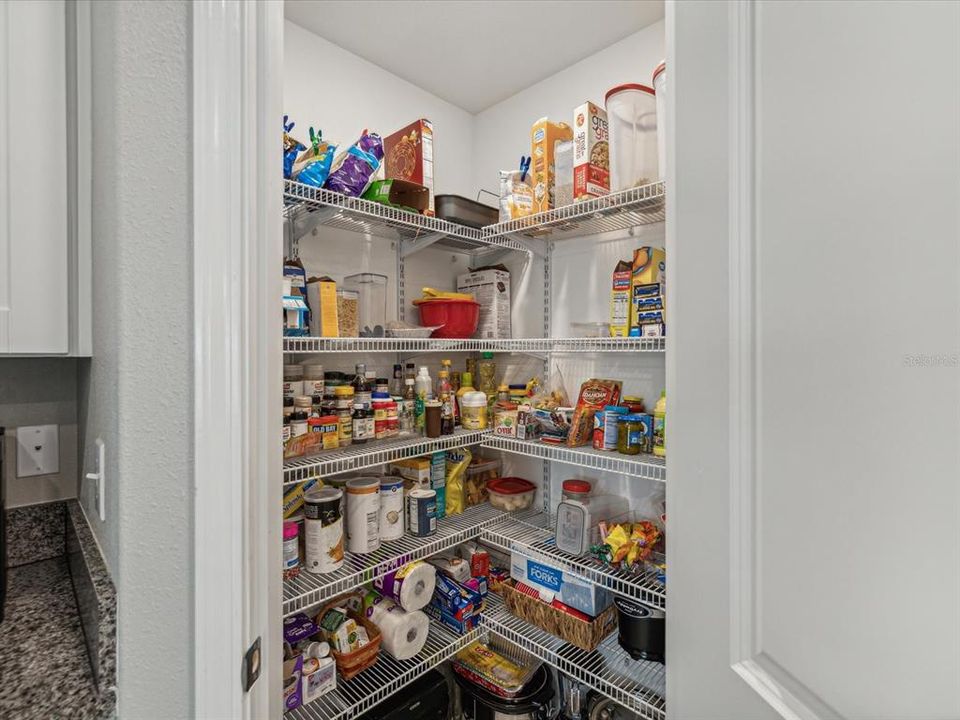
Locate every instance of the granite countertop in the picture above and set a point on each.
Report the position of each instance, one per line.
(43, 659)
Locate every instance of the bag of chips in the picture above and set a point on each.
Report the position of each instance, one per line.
(353, 169)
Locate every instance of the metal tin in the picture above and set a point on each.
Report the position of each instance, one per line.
(363, 514)
(323, 530)
(391, 508)
(422, 512)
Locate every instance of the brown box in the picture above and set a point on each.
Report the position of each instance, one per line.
(408, 155)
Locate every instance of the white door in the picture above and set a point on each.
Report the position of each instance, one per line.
(33, 178)
(814, 373)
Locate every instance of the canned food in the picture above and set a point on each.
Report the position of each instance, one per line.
(323, 528)
(422, 512)
(391, 508)
(363, 514)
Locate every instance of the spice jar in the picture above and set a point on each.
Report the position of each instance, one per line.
(345, 419)
(313, 380)
(381, 385)
(380, 402)
(298, 424)
(292, 380)
(433, 413)
(362, 419)
(393, 416)
(343, 397)
(304, 404)
(291, 550)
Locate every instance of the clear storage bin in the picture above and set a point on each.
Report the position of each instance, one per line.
(632, 119)
(660, 87)
(371, 288)
(563, 173)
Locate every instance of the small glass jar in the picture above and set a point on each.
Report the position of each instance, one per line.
(382, 385)
(393, 416)
(292, 380)
(343, 398)
(380, 404)
(298, 424)
(361, 417)
(303, 403)
(633, 403)
(345, 420)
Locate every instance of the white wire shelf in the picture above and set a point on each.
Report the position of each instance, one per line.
(293, 345)
(305, 205)
(308, 589)
(377, 452)
(622, 210)
(644, 465)
(638, 685)
(385, 678)
(535, 536)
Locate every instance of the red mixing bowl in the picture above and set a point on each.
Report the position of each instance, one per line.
(456, 318)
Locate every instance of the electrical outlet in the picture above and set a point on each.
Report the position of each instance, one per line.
(97, 477)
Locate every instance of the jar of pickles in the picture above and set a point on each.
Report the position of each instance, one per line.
(634, 434)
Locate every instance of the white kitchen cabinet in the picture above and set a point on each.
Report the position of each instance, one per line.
(44, 260)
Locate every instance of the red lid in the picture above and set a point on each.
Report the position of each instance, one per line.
(659, 69)
(510, 486)
(577, 486)
(629, 86)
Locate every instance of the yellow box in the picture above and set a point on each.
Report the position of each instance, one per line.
(543, 137)
(322, 300)
(648, 276)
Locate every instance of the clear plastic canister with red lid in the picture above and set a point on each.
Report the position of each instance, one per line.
(575, 489)
(632, 120)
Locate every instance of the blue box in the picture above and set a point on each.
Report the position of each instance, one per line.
(570, 589)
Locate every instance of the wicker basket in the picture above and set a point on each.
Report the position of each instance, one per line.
(352, 664)
(585, 635)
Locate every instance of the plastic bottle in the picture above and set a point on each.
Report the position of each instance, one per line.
(466, 385)
(660, 426)
(424, 388)
(445, 396)
(443, 378)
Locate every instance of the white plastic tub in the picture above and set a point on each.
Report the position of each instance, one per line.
(632, 119)
(660, 87)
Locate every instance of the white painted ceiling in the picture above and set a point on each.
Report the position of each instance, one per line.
(473, 53)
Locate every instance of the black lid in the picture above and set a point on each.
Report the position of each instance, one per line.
(288, 402)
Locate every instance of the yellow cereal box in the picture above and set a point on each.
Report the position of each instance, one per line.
(543, 137)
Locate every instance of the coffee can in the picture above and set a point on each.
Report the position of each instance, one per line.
(422, 512)
(363, 514)
(323, 530)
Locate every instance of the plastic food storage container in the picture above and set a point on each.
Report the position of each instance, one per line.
(660, 87)
(632, 118)
(348, 313)
(576, 490)
(452, 318)
(563, 173)
(371, 289)
(590, 329)
(511, 493)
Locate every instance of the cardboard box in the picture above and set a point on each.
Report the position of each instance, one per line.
(570, 589)
(416, 470)
(543, 137)
(408, 155)
(591, 152)
(620, 298)
(648, 292)
(490, 286)
(322, 300)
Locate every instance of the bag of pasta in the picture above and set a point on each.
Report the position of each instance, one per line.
(457, 463)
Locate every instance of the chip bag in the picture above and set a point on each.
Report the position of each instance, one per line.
(353, 169)
(457, 463)
(313, 165)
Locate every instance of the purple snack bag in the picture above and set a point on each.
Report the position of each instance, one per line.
(298, 627)
(358, 165)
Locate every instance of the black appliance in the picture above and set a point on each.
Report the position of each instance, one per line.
(641, 631)
(427, 698)
(533, 702)
(3, 529)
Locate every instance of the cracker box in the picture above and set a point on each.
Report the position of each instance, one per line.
(543, 137)
(408, 155)
(591, 152)
(490, 286)
(648, 292)
(620, 299)
(416, 470)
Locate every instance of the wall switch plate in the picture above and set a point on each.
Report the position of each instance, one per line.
(38, 450)
(97, 477)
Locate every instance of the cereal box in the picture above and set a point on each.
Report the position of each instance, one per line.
(620, 300)
(408, 155)
(591, 152)
(543, 137)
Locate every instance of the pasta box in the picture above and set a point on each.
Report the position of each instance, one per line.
(408, 155)
(557, 584)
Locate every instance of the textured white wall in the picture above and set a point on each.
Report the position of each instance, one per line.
(136, 391)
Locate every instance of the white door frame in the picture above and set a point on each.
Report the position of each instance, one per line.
(237, 238)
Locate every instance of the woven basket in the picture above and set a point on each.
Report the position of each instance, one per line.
(352, 664)
(584, 635)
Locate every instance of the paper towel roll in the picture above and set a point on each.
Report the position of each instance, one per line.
(404, 633)
(411, 585)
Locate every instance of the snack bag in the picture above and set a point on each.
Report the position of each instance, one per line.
(353, 169)
(291, 147)
(594, 396)
(516, 195)
(313, 165)
(457, 463)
